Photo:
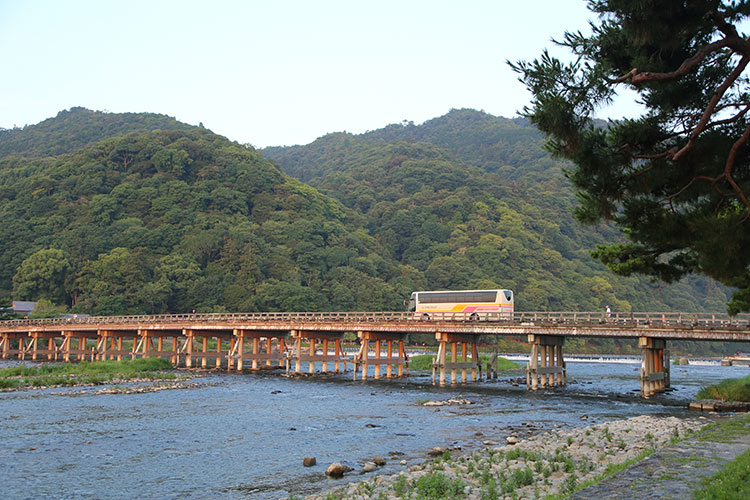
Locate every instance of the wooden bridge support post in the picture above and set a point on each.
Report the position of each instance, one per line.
(453, 363)
(188, 347)
(381, 340)
(377, 359)
(217, 366)
(4, 345)
(239, 342)
(204, 361)
(654, 372)
(256, 351)
(552, 370)
(34, 339)
(453, 339)
(389, 355)
(296, 351)
(311, 363)
(363, 355)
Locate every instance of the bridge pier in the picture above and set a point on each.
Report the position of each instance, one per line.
(546, 367)
(111, 344)
(80, 351)
(441, 365)
(257, 356)
(6, 344)
(145, 345)
(654, 366)
(52, 350)
(192, 355)
(336, 356)
(381, 340)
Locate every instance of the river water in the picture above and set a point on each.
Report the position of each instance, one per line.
(244, 436)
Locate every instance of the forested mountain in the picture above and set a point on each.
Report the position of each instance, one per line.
(137, 213)
(472, 201)
(75, 128)
(175, 220)
(172, 217)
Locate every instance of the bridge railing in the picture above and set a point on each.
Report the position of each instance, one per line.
(718, 320)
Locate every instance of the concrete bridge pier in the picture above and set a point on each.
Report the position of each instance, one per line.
(654, 366)
(260, 353)
(546, 367)
(326, 341)
(381, 340)
(442, 365)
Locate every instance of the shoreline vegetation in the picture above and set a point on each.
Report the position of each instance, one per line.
(732, 390)
(86, 373)
(549, 466)
(423, 362)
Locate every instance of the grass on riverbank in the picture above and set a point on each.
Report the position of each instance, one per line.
(84, 373)
(732, 482)
(733, 389)
(423, 362)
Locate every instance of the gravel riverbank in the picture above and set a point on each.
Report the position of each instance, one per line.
(552, 463)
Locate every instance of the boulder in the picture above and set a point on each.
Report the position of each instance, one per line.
(337, 469)
(369, 467)
(309, 461)
(379, 461)
(436, 451)
(511, 440)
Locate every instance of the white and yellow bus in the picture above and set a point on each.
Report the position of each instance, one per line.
(470, 303)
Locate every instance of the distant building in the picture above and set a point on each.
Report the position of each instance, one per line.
(23, 307)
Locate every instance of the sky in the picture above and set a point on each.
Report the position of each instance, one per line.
(279, 72)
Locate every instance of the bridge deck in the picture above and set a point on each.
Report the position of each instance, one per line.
(669, 326)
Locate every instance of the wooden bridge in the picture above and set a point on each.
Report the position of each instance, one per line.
(287, 340)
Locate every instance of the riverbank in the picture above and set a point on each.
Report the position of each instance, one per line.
(85, 373)
(553, 464)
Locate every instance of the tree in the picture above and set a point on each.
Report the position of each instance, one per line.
(42, 276)
(675, 180)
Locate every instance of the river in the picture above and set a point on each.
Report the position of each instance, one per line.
(244, 436)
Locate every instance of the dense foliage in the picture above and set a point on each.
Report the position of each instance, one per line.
(176, 219)
(676, 180)
(508, 224)
(181, 220)
(75, 128)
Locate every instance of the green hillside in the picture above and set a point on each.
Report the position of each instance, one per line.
(180, 220)
(76, 128)
(472, 201)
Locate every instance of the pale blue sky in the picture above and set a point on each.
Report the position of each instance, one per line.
(273, 72)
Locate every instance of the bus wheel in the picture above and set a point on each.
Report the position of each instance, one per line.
(474, 317)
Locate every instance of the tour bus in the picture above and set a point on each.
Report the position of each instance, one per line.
(470, 303)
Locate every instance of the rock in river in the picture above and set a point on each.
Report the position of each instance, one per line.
(337, 469)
